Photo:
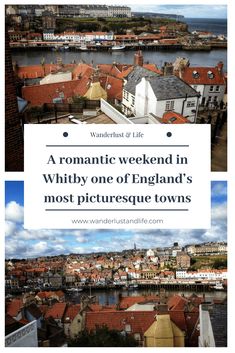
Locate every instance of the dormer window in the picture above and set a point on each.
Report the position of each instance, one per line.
(210, 74)
(195, 74)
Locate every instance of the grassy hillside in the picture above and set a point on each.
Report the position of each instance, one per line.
(117, 25)
(214, 262)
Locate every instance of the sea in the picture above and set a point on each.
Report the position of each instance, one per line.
(196, 58)
(214, 25)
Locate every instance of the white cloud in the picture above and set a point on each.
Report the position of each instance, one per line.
(219, 212)
(10, 228)
(14, 212)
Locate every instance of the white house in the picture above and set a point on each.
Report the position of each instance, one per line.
(202, 274)
(48, 34)
(208, 81)
(129, 89)
(157, 95)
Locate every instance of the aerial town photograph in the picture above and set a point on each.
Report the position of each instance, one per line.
(115, 64)
(115, 288)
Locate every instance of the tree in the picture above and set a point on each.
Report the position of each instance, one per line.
(220, 264)
(103, 337)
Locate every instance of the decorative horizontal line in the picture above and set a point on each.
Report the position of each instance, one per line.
(117, 145)
(116, 209)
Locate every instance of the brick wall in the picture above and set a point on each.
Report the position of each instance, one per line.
(14, 146)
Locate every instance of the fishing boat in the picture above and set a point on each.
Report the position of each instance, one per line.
(74, 290)
(217, 286)
(131, 286)
(118, 47)
(83, 47)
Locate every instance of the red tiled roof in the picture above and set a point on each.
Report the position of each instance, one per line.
(38, 94)
(56, 311)
(39, 71)
(176, 302)
(113, 87)
(126, 72)
(14, 307)
(178, 317)
(139, 321)
(48, 294)
(82, 70)
(126, 302)
(71, 312)
(152, 67)
(109, 69)
(189, 76)
(98, 307)
(173, 118)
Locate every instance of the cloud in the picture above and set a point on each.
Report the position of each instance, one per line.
(10, 228)
(14, 212)
(190, 11)
(26, 243)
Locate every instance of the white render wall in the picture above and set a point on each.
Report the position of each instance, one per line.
(128, 108)
(219, 95)
(200, 89)
(146, 102)
(212, 275)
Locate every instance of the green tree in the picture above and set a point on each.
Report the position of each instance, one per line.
(220, 263)
(102, 337)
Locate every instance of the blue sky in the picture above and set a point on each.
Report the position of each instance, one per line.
(23, 243)
(193, 11)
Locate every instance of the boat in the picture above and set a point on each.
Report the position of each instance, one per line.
(74, 290)
(130, 286)
(217, 286)
(118, 47)
(83, 47)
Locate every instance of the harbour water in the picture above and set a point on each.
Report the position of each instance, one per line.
(109, 297)
(196, 58)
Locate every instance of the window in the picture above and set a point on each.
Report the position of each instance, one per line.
(195, 74)
(127, 96)
(190, 104)
(210, 75)
(137, 336)
(170, 105)
(215, 99)
(217, 89)
(195, 87)
(211, 88)
(132, 101)
(128, 328)
(209, 99)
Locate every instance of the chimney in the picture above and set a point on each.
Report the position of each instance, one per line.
(167, 69)
(220, 66)
(138, 58)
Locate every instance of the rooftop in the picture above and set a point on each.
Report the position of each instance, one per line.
(170, 87)
(135, 76)
(204, 75)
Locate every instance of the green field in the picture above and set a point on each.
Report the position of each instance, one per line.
(212, 261)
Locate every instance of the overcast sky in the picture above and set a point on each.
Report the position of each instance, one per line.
(191, 11)
(22, 243)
